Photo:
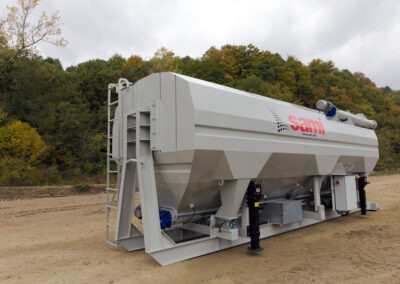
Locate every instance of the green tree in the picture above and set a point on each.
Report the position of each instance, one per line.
(69, 107)
(3, 116)
(21, 149)
(164, 60)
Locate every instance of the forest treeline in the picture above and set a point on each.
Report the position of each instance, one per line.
(53, 120)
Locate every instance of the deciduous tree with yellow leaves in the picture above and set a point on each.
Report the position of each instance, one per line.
(21, 150)
(19, 34)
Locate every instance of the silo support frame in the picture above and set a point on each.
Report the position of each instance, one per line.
(126, 233)
(138, 162)
(206, 245)
(126, 195)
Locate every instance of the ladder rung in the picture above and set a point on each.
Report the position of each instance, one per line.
(111, 207)
(111, 189)
(110, 225)
(111, 137)
(113, 172)
(131, 141)
(112, 120)
(113, 103)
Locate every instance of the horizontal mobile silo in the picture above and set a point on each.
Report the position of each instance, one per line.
(215, 165)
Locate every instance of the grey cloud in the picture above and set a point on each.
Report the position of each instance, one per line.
(357, 35)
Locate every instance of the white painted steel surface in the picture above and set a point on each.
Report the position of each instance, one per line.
(198, 144)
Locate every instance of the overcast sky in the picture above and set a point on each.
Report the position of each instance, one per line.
(358, 35)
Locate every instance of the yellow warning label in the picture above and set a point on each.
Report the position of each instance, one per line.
(256, 204)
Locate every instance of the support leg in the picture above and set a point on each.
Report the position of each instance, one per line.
(318, 208)
(361, 183)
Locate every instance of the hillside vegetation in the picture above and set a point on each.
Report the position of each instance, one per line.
(53, 120)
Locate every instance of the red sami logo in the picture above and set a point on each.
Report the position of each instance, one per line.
(306, 124)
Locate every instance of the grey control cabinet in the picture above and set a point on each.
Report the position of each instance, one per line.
(345, 193)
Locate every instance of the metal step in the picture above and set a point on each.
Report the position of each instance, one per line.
(111, 158)
(111, 189)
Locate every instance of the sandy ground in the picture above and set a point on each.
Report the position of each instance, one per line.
(61, 240)
(30, 192)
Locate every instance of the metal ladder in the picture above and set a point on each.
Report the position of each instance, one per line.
(112, 192)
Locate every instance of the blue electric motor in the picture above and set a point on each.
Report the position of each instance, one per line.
(165, 219)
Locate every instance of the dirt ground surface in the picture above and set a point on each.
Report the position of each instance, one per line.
(61, 240)
(29, 192)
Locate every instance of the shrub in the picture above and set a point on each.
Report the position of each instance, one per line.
(22, 151)
(82, 187)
